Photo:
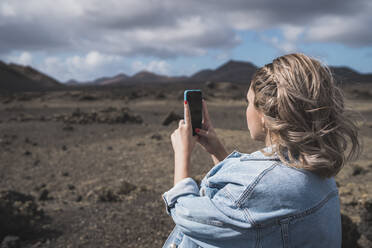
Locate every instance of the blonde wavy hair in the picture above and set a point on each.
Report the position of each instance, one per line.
(305, 115)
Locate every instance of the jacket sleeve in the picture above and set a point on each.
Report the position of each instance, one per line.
(198, 216)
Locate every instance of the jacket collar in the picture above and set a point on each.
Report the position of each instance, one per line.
(258, 155)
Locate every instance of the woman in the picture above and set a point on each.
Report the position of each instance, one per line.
(283, 195)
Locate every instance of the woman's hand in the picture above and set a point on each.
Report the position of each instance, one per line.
(208, 139)
(183, 143)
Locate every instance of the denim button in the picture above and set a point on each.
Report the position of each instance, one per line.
(173, 245)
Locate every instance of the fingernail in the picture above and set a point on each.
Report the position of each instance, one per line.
(197, 130)
(185, 102)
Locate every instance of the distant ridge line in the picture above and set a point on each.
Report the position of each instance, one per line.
(15, 77)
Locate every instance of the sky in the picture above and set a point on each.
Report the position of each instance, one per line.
(88, 39)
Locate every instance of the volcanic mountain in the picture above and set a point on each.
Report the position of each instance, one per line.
(15, 77)
(231, 71)
(346, 75)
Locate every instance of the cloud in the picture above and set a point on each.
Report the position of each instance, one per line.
(156, 66)
(7, 10)
(103, 33)
(91, 61)
(168, 29)
(83, 68)
(291, 32)
(351, 31)
(25, 58)
(288, 41)
(154, 28)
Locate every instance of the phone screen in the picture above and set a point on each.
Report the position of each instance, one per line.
(194, 99)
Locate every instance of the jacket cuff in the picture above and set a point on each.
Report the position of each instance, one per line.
(184, 187)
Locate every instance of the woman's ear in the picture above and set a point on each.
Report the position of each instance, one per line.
(264, 129)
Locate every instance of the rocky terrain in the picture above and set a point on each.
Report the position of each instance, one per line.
(87, 168)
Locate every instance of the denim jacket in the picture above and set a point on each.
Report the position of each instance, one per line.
(253, 200)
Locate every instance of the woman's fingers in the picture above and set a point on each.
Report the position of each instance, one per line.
(205, 112)
(202, 132)
(187, 114)
(181, 122)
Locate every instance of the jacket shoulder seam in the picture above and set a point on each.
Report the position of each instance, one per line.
(301, 214)
(250, 188)
(317, 206)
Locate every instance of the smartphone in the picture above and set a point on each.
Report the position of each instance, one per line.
(194, 100)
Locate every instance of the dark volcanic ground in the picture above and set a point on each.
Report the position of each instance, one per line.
(97, 162)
